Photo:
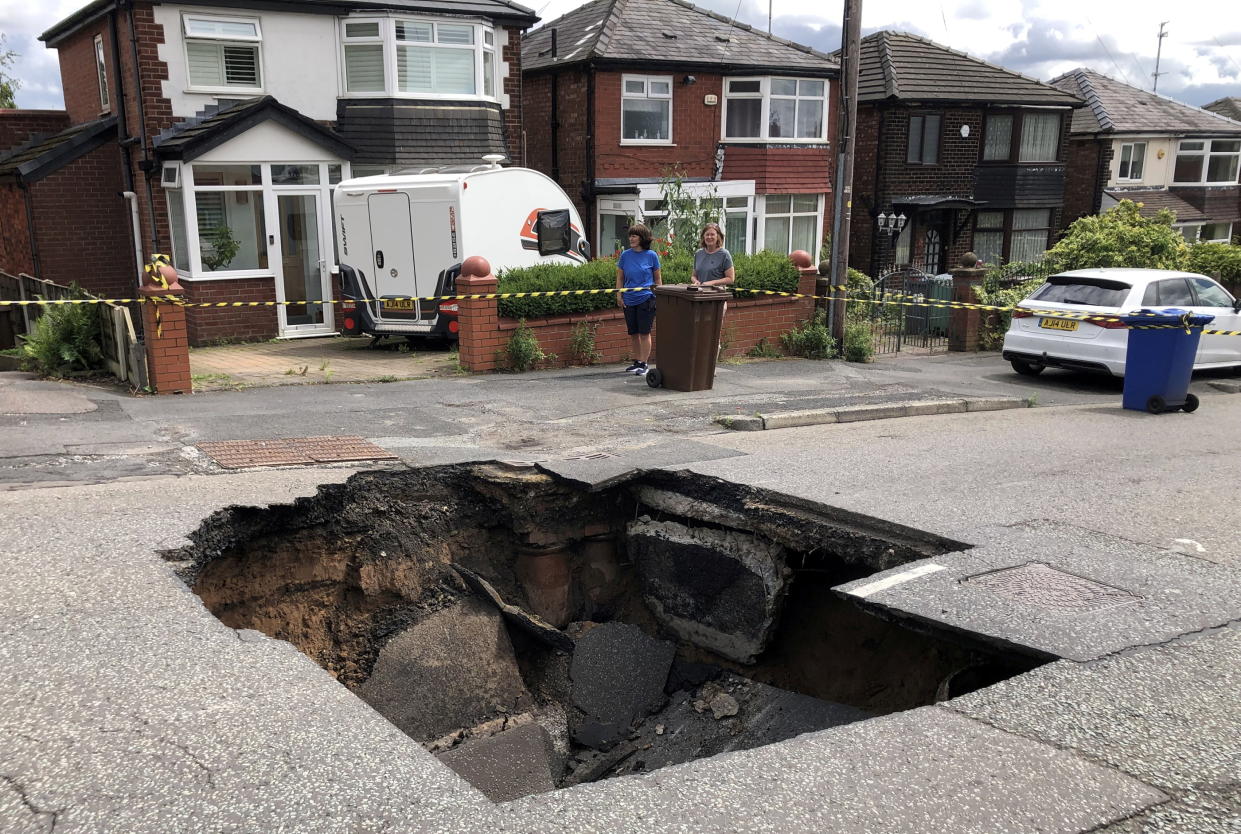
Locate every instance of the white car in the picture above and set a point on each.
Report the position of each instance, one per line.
(1035, 342)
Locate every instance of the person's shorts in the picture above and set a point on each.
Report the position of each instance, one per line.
(640, 317)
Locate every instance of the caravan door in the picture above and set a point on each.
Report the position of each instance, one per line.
(412, 242)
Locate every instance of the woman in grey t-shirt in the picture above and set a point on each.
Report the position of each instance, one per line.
(713, 265)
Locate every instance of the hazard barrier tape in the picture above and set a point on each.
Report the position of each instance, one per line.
(837, 293)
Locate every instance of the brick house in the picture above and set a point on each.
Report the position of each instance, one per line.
(231, 123)
(963, 154)
(1130, 144)
(619, 93)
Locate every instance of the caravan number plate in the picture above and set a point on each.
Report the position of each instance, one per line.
(398, 304)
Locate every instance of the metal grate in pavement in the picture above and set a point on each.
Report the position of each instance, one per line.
(292, 451)
(1045, 586)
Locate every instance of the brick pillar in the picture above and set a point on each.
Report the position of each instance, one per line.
(807, 281)
(963, 325)
(479, 336)
(167, 342)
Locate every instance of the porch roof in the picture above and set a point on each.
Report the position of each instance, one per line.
(213, 127)
(1153, 200)
(46, 154)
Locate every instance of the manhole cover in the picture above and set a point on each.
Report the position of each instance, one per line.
(292, 451)
(1044, 586)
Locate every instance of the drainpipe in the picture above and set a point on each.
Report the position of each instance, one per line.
(142, 122)
(132, 199)
(588, 197)
(122, 112)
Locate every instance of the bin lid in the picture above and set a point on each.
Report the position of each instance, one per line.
(691, 292)
(1168, 315)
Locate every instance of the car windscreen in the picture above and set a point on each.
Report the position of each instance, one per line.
(1089, 292)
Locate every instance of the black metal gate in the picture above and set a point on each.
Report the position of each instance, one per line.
(901, 313)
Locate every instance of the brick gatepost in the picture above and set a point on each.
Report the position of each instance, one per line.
(480, 336)
(165, 334)
(963, 325)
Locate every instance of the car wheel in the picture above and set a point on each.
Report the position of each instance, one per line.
(1156, 405)
(1027, 368)
(1191, 403)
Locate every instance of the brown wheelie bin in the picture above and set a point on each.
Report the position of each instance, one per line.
(687, 328)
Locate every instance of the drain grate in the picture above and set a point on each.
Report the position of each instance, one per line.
(292, 451)
(1042, 585)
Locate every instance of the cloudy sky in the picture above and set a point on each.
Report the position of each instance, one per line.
(1041, 38)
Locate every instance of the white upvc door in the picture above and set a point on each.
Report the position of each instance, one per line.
(300, 241)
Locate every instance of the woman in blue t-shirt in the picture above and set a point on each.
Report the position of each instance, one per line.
(638, 267)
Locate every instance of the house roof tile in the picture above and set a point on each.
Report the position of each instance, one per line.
(1151, 201)
(47, 153)
(901, 66)
(1229, 106)
(216, 125)
(1116, 107)
(667, 32)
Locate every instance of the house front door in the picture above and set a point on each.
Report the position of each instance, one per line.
(302, 282)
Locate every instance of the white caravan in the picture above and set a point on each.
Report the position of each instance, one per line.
(403, 236)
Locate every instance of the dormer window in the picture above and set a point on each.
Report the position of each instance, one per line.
(420, 58)
(223, 53)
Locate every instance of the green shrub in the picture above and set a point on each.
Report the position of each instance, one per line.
(1002, 287)
(65, 339)
(1120, 237)
(762, 271)
(859, 342)
(764, 350)
(582, 343)
(523, 349)
(810, 339)
(596, 275)
(1222, 260)
(861, 287)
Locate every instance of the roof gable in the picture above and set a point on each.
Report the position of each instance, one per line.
(194, 137)
(48, 153)
(901, 66)
(665, 32)
(1116, 107)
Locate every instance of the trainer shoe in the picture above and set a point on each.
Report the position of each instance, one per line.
(634, 367)
(641, 370)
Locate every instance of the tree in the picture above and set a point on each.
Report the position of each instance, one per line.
(8, 84)
(687, 214)
(1121, 237)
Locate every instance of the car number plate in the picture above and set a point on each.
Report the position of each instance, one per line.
(1058, 324)
(398, 304)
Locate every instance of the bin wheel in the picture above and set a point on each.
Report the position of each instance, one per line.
(1156, 405)
(654, 378)
(1027, 368)
(1191, 403)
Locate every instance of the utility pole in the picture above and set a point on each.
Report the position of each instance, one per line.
(1158, 53)
(851, 38)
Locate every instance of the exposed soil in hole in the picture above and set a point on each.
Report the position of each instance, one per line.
(535, 635)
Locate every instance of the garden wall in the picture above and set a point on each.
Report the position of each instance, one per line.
(484, 334)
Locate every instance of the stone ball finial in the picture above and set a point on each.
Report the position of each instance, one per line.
(969, 260)
(801, 259)
(475, 266)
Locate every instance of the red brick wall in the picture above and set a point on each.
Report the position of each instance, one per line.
(746, 323)
(208, 325)
(79, 74)
(82, 226)
(695, 130)
(1085, 174)
(780, 170)
(16, 126)
(572, 138)
(512, 86)
(14, 232)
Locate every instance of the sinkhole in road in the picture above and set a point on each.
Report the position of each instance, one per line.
(534, 634)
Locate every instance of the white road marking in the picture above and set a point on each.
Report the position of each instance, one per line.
(896, 579)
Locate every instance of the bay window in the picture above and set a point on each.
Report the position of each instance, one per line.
(791, 222)
(775, 108)
(223, 53)
(1207, 161)
(418, 58)
(646, 109)
(1132, 158)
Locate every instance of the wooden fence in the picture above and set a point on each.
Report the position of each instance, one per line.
(122, 351)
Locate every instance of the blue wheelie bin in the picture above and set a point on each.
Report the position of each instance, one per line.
(1159, 359)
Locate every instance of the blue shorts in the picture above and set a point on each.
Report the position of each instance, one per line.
(640, 317)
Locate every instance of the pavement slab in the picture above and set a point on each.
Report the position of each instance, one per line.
(1055, 590)
(599, 472)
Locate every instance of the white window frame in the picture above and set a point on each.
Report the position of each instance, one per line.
(1207, 152)
(760, 239)
(645, 95)
(1196, 228)
(1141, 160)
(254, 41)
(484, 47)
(101, 70)
(766, 96)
